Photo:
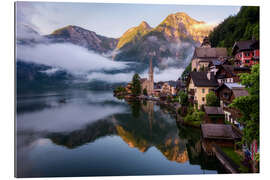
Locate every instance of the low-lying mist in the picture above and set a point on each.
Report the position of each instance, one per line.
(90, 66)
(72, 58)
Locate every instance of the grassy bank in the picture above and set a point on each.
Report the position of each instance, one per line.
(236, 158)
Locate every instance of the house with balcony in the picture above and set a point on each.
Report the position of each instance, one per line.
(227, 92)
(246, 52)
(199, 84)
(230, 73)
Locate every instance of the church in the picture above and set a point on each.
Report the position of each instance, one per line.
(148, 84)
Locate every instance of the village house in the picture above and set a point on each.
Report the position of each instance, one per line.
(230, 73)
(128, 88)
(246, 53)
(204, 55)
(213, 115)
(222, 135)
(227, 92)
(165, 88)
(199, 84)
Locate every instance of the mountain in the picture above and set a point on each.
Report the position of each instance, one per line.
(170, 44)
(133, 34)
(180, 25)
(85, 38)
(35, 77)
(174, 38)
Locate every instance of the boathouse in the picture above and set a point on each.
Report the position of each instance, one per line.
(222, 135)
(214, 115)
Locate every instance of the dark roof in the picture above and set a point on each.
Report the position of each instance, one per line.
(238, 68)
(229, 69)
(245, 45)
(200, 79)
(219, 131)
(213, 110)
(201, 52)
(237, 89)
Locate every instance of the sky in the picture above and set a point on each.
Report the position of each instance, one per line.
(110, 20)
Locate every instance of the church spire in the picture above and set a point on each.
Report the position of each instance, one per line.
(151, 70)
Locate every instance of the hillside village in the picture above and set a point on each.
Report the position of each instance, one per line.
(203, 97)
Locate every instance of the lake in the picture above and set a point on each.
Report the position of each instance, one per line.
(92, 133)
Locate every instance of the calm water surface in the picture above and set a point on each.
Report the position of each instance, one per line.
(94, 134)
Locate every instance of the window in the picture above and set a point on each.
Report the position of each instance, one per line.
(203, 99)
(247, 61)
(247, 54)
(203, 90)
(226, 95)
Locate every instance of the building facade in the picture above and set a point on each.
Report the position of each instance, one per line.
(205, 54)
(246, 53)
(199, 85)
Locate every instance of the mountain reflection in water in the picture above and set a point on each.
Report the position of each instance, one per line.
(95, 117)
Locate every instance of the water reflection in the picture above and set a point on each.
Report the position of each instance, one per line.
(89, 118)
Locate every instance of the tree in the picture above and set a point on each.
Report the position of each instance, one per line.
(211, 99)
(183, 98)
(136, 85)
(242, 26)
(186, 72)
(249, 105)
(145, 91)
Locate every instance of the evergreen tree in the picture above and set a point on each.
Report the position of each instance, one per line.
(136, 85)
(183, 98)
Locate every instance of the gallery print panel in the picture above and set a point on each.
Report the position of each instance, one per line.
(136, 89)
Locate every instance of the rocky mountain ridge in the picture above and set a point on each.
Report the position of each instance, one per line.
(172, 40)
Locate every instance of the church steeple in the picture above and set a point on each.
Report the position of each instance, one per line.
(150, 73)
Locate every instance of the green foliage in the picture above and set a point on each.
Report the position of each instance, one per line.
(145, 92)
(136, 85)
(195, 116)
(242, 26)
(249, 105)
(211, 99)
(183, 98)
(257, 157)
(120, 89)
(236, 158)
(186, 72)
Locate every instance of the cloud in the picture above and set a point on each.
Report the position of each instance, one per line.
(111, 78)
(165, 75)
(204, 26)
(50, 71)
(72, 58)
